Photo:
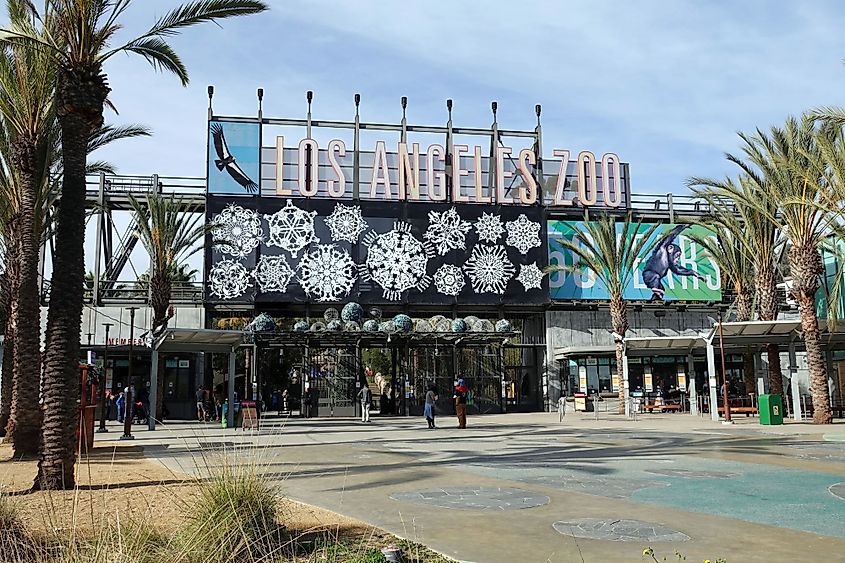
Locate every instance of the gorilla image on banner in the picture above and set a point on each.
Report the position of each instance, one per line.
(673, 267)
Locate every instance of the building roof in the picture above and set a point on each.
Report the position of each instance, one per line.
(199, 340)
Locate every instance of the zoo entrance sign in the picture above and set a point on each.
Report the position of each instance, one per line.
(268, 158)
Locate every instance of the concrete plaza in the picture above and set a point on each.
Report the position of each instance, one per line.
(526, 487)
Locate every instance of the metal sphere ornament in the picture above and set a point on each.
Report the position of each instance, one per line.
(403, 323)
(459, 325)
(471, 320)
(423, 325)
(442, 325)
(352, 312)
(375, 313)
(331, 314)
(335, 325)
(262, 323)
(318, 327)
(371, 326)
(300, 326)
(503, 325)
(351, 326)
(387, 327)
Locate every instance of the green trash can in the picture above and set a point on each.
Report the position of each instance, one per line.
(771, 409)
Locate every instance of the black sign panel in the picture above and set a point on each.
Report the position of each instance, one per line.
(267, 250)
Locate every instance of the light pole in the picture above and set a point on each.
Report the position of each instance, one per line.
(127, 416)
(103, 381)
(725, 401)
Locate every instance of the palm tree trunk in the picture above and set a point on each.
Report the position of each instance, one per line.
(25, 416)
(160, 288)
(619, 321)
(769, 308)
(80, 97)
(748, 372)
(806, 266)
(10, 306)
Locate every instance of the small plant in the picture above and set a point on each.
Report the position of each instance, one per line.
(649, 552)
(16, 543)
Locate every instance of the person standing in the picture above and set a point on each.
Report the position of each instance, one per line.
(200, 398)
(120, 403)
(366, 397)
(430, 399)
(460, 396)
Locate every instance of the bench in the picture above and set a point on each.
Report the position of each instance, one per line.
(747, 411)
(663, 408)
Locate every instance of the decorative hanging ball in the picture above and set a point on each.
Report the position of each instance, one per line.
(318, 327)
(388, 327)
(423, 325)
(263, 323)
(471, 320)
(335, 325)
(375, 313)
(459, 325)
(351, 326)
(352, 312)
(371, 326)
(403, 323)
(503, 325)
(300, 326)
(331, 314)
(435, 320)
(442, 325)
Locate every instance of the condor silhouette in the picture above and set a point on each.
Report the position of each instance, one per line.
(228, 162)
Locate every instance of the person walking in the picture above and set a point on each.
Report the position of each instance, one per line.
(430, 399)
(366, 397)
(460, 396)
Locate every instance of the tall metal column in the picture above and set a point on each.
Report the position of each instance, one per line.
(793, 383)
(626, 390)
(151, 418)
(98, 243)
(693, 392)
(230, 391)
(712, 382)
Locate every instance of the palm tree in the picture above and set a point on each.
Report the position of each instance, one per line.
(81, 33)
(610, 250)
(170, 231)
(736, 267)
(27, 80)
(749, 200)
(795, 169)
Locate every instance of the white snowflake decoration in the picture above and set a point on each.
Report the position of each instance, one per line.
(449, 279)
(397, 261)
(273, 273)
(489, 269)
(228, 279)
(346, 223)
(530, 276)
(237, 231)
(291, 228)
(489, 228)
(523, 234)
(327, 273)
(446, 230)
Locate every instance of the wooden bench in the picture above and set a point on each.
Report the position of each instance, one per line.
(663, 408)
(747, 411)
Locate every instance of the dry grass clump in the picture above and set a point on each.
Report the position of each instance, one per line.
(16, 543)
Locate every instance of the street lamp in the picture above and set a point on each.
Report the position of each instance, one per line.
(103, 381)
(724, 371)
(127, 417)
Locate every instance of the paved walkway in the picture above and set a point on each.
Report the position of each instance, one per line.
(529, 488)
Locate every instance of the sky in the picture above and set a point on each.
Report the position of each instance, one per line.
(664, 84)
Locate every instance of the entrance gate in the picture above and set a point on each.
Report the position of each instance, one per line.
(332, 374)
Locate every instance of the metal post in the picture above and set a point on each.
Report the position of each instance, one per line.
(538, 149)
(356, 153)
(151, 418)
(449, 153)
(711, 382)
(626, 391)
(758, 371)
(103, 381)
(98, 241)
(127, 416)
(724, 375)
(797, 413)
(230, 392)
(693, 392)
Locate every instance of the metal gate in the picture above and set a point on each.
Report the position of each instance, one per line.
(331, 376)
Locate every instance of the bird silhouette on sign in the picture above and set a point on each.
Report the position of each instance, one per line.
(227, 161)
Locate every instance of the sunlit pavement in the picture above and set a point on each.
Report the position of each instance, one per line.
(526, 487)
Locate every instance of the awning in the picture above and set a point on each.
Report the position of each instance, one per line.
(199, 340)
(662, 345)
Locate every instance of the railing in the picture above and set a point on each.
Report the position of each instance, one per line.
(115, 291)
